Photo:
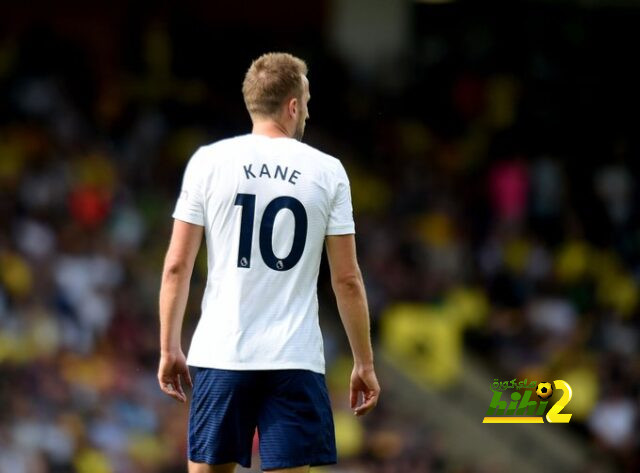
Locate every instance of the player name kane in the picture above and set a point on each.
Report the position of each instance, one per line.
(277, 172)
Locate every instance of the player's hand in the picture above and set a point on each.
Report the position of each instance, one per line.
(363, 380)
(172, 371)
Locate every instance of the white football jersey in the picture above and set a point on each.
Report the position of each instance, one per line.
(266, 205)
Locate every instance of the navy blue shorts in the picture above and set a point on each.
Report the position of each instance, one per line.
(290, 408)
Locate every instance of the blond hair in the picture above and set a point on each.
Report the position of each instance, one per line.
(270, 81)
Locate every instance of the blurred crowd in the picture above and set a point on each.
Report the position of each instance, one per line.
(496, 211)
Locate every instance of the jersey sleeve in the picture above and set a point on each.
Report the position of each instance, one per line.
(190, 205)
(341, 215)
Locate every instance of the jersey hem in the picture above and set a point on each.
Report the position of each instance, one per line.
(342, 230)
(258, 366)
(193, 221)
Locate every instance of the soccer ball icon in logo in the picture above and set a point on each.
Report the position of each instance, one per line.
(544, 390)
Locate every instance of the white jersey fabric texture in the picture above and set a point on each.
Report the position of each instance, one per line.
(266, 205)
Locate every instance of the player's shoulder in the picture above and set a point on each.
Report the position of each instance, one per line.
(319, 157)
(226, 150)
(210, 154)
(220, 147)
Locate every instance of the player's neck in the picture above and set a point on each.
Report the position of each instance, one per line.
(270, 128)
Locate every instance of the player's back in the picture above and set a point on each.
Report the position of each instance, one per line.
(266, 205)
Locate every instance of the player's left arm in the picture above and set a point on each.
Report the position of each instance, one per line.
(174, 292)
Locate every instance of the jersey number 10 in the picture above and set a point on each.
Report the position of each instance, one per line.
(248, 203)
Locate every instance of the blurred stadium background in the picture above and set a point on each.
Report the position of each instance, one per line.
(491, 148)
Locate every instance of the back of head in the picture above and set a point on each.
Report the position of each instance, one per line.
(270, 81)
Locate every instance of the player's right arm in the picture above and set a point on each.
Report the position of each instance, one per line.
(174, 292)
(185, 242)
(348, 286)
